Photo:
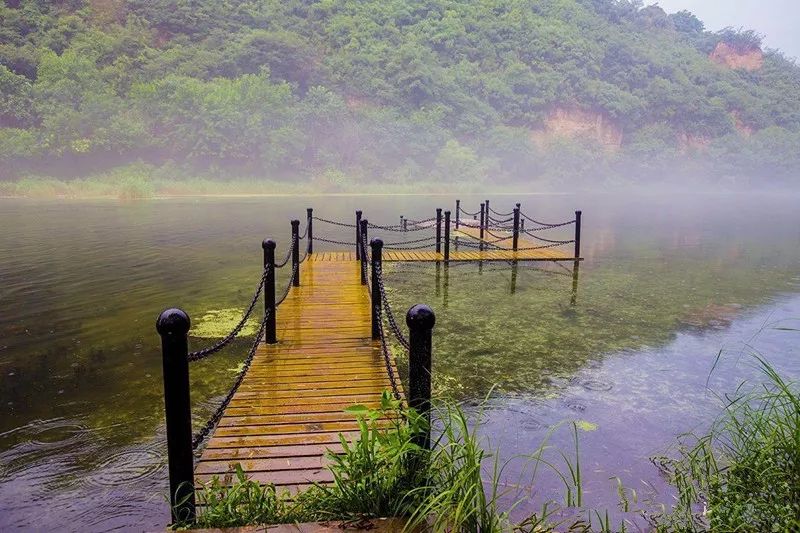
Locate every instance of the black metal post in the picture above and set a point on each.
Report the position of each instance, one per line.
(420, 320)
(458, 211)
(405, 224)
(447, 236)
(487, 213)
(310, 213)
(364, 224)
(482, 220)
(358, 235)
(270, 336)
(439, 230)
(578, 234)
(173, 327)
(377, 247)
(296, 252)
(515, 239)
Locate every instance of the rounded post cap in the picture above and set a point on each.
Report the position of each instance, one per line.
(438, 209)
(358, 211)
(376, 243)
(173, 321)
(518, 204)
(267, 244)
(420, 316)
(295, 222)
(309, 209)
(447, 212)
(578, 212)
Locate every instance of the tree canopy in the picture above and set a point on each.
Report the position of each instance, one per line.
(389, 89)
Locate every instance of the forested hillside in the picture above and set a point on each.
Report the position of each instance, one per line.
(341, 91)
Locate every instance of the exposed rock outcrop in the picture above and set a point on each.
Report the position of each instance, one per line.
(747, 59)
(571, 123)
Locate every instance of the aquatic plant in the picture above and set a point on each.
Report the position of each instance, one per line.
(454, 486)
(744, 474)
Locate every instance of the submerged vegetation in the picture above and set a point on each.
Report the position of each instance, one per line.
(337, 94)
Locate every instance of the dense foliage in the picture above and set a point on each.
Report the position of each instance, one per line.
(390, 90)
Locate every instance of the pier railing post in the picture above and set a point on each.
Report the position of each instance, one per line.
(483, 215)
(405, 224)
(377, 248)
(310, 231)
(358, 235)
(269, 291)
(458, 212)
(364, 224)
(447, 236)
(515, 239)
(173, 327)
(439, 230)
(578, 234)
(487, 213)
(296, 252)
(420, 320)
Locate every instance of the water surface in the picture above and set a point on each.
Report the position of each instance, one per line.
(667, 283)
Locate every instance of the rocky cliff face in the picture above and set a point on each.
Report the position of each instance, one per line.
(573, 123)
(731, 57)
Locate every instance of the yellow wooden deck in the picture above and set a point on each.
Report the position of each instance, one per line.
(289, 408)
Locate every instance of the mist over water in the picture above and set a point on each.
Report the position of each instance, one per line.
(668, 281)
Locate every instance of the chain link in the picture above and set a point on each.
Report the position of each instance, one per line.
(215, 418)
(398, 333)
(399, 229)
(501, 214)
(222, 343)
(286, 259)
(545, 224)
(331, 241)
(476, 213)
(334, 222)
(432, 237)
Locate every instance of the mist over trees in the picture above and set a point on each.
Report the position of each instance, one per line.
(506, 91)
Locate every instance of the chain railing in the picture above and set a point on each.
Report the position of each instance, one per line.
(227, 339)
(214, 419)
(334, 222)
(546, 224)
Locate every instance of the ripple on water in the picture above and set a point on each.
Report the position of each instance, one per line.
(127, 468)
(596, 385)
(55, 433)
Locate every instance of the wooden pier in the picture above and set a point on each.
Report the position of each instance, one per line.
(322, 347)
(290, 407)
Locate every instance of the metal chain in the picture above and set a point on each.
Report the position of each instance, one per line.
(432, 237)
(286, 259)
(222, 343)
(215, 418)
(542, 239)
(343, 243)
(545, 224)
(288, 287)
(399, 229)
(334, 222)
(501, 214)
(413, 247)
(398, 333)
(386, 354)
(498, 221)
(476, 213)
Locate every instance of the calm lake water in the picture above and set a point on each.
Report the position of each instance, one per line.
(668, 282)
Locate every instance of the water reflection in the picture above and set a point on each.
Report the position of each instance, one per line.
(83, 282)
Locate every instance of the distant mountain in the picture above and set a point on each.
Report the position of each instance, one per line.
(563, 91)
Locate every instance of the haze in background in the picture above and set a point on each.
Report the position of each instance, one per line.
(775, 19)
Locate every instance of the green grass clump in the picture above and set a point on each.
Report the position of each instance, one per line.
(385, 472)
(744, 475)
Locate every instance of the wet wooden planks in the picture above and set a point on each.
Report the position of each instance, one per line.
(290, 407)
